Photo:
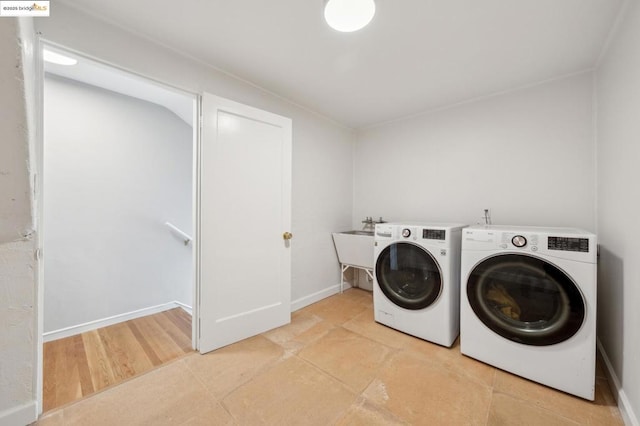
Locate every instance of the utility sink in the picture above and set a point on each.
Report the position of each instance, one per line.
(355, 248)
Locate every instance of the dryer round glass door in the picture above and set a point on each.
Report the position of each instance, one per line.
(408, 275)
(526, 299)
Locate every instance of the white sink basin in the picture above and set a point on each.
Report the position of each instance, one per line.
(355, 248)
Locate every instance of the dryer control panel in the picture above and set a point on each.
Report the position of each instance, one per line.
(566, 243)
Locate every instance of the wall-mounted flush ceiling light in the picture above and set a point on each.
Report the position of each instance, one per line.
(349, 15)
(56, 58)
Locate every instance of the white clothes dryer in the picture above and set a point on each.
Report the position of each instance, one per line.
(417, 279)
(528, 303)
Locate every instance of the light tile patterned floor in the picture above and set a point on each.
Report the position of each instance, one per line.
(333, 365)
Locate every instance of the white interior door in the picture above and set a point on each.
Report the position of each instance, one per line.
(245, 211)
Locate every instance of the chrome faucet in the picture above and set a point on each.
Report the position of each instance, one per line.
(370, 222)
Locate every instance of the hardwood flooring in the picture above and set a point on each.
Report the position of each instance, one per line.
(80, 365)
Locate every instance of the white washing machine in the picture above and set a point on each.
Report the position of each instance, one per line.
(417, 279)
(528, 303)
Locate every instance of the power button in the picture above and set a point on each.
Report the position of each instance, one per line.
(519, 241)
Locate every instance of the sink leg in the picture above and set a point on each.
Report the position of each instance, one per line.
(370, 273)
(343, 268)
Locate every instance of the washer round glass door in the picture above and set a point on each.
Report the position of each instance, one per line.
(525, 299)
(408, 275)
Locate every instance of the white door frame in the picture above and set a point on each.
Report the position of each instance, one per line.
(39, 44)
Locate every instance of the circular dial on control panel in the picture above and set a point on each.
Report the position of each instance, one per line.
(406, 232)
(519, 241)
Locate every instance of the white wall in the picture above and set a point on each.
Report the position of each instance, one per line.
(17, 263)
(322, 204)
(15, 211)
(116, 168)
(322, 149)
(527, 155)
(618, 101)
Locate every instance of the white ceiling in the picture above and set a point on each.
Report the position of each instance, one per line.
(416, 55)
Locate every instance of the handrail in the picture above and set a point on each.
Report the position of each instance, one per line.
(187, 239)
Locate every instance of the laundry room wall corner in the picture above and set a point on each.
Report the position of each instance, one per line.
(322, 202)
(618, 103)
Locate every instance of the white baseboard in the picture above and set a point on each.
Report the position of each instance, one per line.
(624, 405)
(317, 296)
(18, 416)
(104, 322)
(188, 309)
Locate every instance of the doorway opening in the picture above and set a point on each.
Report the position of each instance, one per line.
(117, 210)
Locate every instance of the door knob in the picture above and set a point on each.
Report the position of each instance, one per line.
(287, 235)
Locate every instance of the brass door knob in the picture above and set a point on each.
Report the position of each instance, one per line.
(287, 235)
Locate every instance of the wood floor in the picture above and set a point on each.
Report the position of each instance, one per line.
(80, 365)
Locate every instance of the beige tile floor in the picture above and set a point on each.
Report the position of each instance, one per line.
(333, 365)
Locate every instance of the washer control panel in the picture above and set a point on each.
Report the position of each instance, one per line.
(519, 241)
(427, 233)
(432, 234)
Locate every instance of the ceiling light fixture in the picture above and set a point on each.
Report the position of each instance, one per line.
(56, 58)
(349, 15)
